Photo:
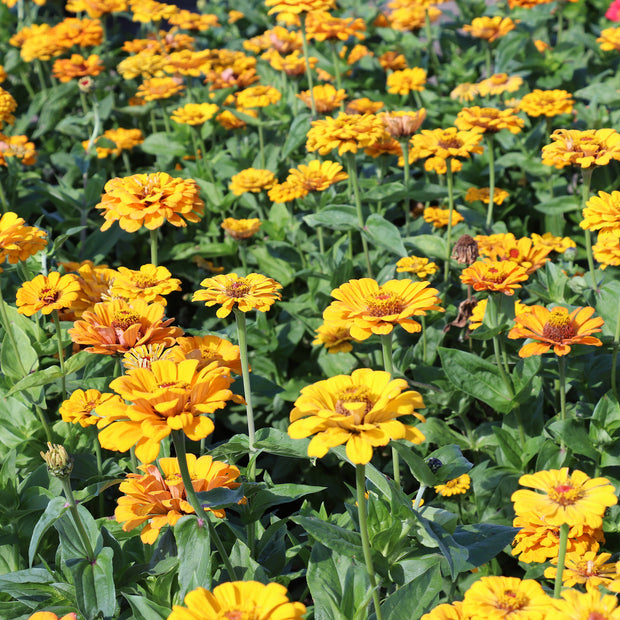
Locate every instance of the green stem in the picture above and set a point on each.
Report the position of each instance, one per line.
(178, 439)
(165, 116)
(126, 162)
(418, 497)
(26, 82)
(352, 170)
(404, 145)
(61, 352)
(388, 364)
(336, 63)
(319, 234)
(3, 201)
(450, 182)
(261, 140)
(66, 487)
(134, 459)
(429, 43)
(304, 44)
(40, 75)
(424, 345)
(488, 59)
(557, 590)
(245, 371)
(489, 140)
(360, 480)
(585, 195)
(99, 468)
(493, 320)
(614, 355)
(562, 387)
(153, 235)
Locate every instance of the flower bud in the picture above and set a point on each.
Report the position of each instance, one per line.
(58, 461)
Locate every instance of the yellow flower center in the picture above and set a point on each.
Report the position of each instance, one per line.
(238, 289)
(511, 600)
(354, 400)
(383, 303)
(206, 353)
(587, 569)
(144, 281)
(564, 494)
(494, 275)
(559, 326)
(48, 295)
(124, 319)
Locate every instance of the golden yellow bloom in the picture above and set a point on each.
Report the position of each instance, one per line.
(363, 105)
(392, 61)
(326, 97)
(159, 88)
(446, 611)
(556, 244)
(286, 192)
(116, 326)
(8, 105)
(404, 81)
(47, 293)
(591, 147)
(587, 569)
(527, 4)
(18, 147)
(489, 120)
(410, 16)
(80, 407)
(187, 62)
(498, 84)
(403, 124)
(490, 28)
(95, 284)
(464, 92)
(360, 410)
(368, 308)
(385, 145)
(445, 144)
(148, 11)
(150, 200)
(145, 64)
(420, 267)
(575, 499)
(609, 39)
(348, 133)
(124, 139)
(80, 32)
(158, 498)
(500, 598)
(439, 217)
(606, 251)
(241, 229)
(258, 97)
(164, 397)
(252, 292)
(251, 180)
(541, 46)
(555, 328)
(235, 16)
(521, 251)
(144, 355)
(602, 213)
(187, 20)
(18, 241)
(207, 349)
(293, 64)
(321, 26)
(66, 70)
(149, 283)
(228, 120)
(494, 276)
(317, 176)
(239, 599)
(547, 103)
(483, 194)
(334, 336)
(457, 486)
(194, 113)
(591, 605)
(96, 8)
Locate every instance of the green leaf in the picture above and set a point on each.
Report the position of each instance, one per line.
(384, 234)
(163, 143)
(143, 609)
(337, 217)
(276, 495)
(194, 553)
(71, 542)
(389, 192)
(277, 268)
(275, 441)
(483, 541)
(416, 464)
(36, 379)
(25, 358)
(220, 497)
(94, 586)
(559, 205)
(509, 447)
(415, 598)
(332, 536)
(297, 134)
(454, 464)
(429, 246)
(607, 306)
(476, 377)
(54, 510)
(574, 434)
(78, 361)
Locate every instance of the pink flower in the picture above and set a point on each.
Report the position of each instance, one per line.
(613, 12)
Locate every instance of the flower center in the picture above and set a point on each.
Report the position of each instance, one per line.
(564, 494)
(180, 385)
(238, 289)
(383, 303)
(559, 326)
(597, 615)
(233, 615)
(90, 406)
(124, 319)
(49, 295)
(450, 142)
(354, 400)
(495, 275)
(587, 569)
(511, 600)
(144, 281)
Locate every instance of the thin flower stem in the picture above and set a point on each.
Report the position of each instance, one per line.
(430, 43)
(99, 468)
(493, 319)
(3, 201)
(585, 195)
(404, 145)
(61, 352)
(562, 388)
(261, 140)
(153, 236)
(450, 181)
(360, 480)
(178, 439)
(614, 355)
(126, 162)
(489, 140)
(424, 345)
(245, 371)
(319, 234)
(388, 364)
(557, 590)
(165, 117)
(304, 44)
(336, 63)
(418, 497)
(352, 170)
(66, 487)
(488, 59)
(134, 459)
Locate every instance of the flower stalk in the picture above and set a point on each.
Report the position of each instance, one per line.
(490, 141)
(61, 352)
(388, 364)
(245, 372)
(585, 195)
(557, 590)
(614, 355)
(304, 44)
(352, 170)
(450, 182)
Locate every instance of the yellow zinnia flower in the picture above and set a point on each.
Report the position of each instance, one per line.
(18, 241)
(326, 97)
(258, 97)
(609, 39)
(194, 113)
(606, 251)
(547, 103)
(490, 28)
(47, 293)
(488, 120)
(457, 486)
(556, 244)
(439, 217)
(483, 194)
(588, 569)
(207, 349)
(417, 265)
(80, 407)
(334, 336)
(150, 283)
(571, 147)
(602, 213)
(48, 615)
(404, 81)
(498, 84)
(369, 308)
(239, 599)
(348, 133)
(317, 176)
(592, 604)
(252, 180)
(157, 88)
(241, 229)
(447, 143)
(360, 410)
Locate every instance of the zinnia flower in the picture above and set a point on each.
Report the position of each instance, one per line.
(317, 176)
(158, 498)
(67, 69)
(464, 92)
(417, 265)
(194, 113)
(547, 103)
(571, 147)
(589, 605)
(403, 124)
(348, 133)
(150, 283)
(606, 251)
(252, 292)
(483, 194)
(457, 486)
(555, 328)
(521, 251)
(490, 28)
(334, 336)
(609, 39)
(124, 140)
(207, 350)
(241, 229)
(368, 308)
(143, 355)
(575, 499)
(488, 120)
(360, 410)
(498, 84)
(613, 11)
(602, 213)
(404, 81)
(47, 293)
(150, 200)
(326, 97)
(322, 26)
(556, 244)
(439, 217)
(258, 97)
(81, 406)
(157, 88)
(18, 241)
(588, 569)
(299, 6)
(494, 276)
(239, 599)
(252, 180)
(503, 598)
(48, 615)
(8, 105)
(447, 143)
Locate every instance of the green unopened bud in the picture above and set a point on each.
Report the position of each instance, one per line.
(58, 461)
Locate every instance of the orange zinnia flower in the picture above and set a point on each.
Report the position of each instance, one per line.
(488, 120)
(8, 105)
(80, 407)
(48, 615)
(207, 349)
(241, 229)
(150, 200)
(150, 283)
(367, 308)
(67, 69)
(18, 241)
(47, 293)
(490, 28)
(326, 97)
(602, 213)
(571, 147)
(555, 328)
(494, 276)
(159, 88)
(252, 180)
(159, 498)
(163, 397)
(118, 325)
(253, 291)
